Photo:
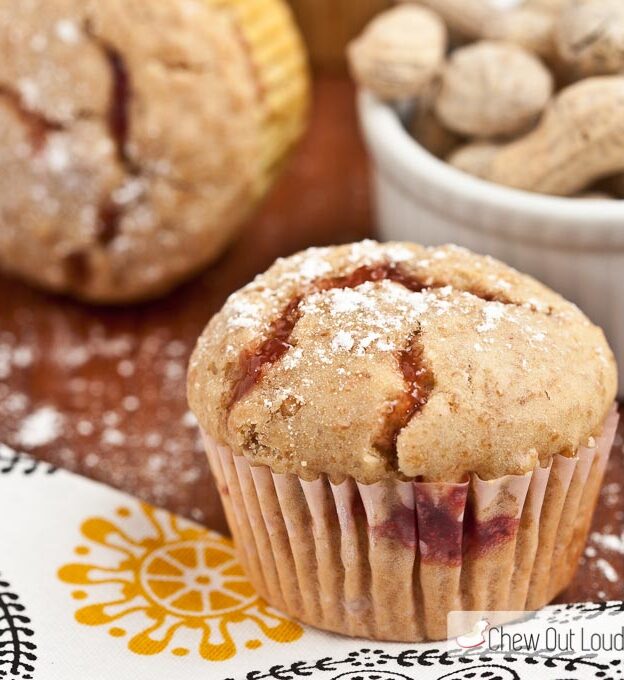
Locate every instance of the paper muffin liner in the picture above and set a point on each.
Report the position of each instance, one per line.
(390, 560)
(279, 66)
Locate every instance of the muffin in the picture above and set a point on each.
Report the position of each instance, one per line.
(136, 137)
(400, 431)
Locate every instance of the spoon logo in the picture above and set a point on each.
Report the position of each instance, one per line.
(475, 637)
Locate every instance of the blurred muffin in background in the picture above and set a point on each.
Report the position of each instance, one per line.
(136, 137)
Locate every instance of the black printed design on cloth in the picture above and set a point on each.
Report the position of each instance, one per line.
(410, 664)
(17, 649)
(19, 463)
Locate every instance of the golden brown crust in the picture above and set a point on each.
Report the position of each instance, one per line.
(507, 372)
(127, 129)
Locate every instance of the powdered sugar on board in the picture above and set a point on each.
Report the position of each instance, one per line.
(123, 402)
(602, 563)
(41, 427)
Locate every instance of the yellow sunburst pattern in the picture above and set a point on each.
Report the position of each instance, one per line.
(166, 584)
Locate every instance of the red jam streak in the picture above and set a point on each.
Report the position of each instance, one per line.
(108, 219)
(420, 382)
(254, 360)
(439, 526)
(109, 216)
(366, 273)
(118, 115)
(418, 378)
(400, 527)
(37, 125)
(481, 537)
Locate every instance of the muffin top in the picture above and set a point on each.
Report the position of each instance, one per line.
(376, 360)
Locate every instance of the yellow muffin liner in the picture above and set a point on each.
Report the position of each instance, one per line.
(390, 560)
(279, 65)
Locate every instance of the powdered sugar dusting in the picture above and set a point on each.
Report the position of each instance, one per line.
(342, 341)
(14, 356)
(611, 542)
(313, 268)
(493, 313)
(264, 299)
(68, 31)
(607, 570)
(113, 407)
(306, 266)
(292, 358)
(342, 301)
(372, 306)
(57, 154)
(257, 304)
(243, 314)
(367, 317)
(40, 428)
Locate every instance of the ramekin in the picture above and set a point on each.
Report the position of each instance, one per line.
(574, 246)
(389, 561)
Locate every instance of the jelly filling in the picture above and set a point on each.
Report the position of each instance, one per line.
(37, 125)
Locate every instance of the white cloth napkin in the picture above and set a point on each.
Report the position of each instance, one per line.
(95, 585)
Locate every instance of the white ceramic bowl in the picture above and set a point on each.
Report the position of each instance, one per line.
(574, 246)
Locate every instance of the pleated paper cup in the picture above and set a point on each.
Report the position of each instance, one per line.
(278, 63)
(390, 560)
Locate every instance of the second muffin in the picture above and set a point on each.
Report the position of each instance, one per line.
(398, 432)
(136, 137)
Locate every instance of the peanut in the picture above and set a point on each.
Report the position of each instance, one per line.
(430, 133)
(529, 28)
(579, 140)
(400, 53)
(491, 92)
(475, 159)
(478, 19)
(589, 37)
(548, 6)
(492, 89)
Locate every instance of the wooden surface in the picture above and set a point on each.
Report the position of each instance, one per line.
(329, 25)
(101, 391)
